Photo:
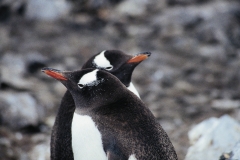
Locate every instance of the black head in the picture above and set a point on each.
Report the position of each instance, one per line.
(89, 87)
(117, 63)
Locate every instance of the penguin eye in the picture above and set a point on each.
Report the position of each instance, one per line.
(109, 68)
(80, 85)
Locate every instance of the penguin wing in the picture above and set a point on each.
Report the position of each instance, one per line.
(61, 142)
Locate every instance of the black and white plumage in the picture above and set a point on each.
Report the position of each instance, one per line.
(126, 127)
(117, 63)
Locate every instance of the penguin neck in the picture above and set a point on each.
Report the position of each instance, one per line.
(83, 111)
(105, 93)
(124, 74)
(84, 107)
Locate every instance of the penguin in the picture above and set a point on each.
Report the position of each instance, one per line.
(115, 62)
(123, 128)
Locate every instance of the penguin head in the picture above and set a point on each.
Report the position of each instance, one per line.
(89, 87)
(117, 63)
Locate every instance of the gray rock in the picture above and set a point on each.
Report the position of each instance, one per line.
(137, 30)
(131, 8)
(212, 137)
(47, 9)
(225, 104)
(233, 155)
(184, 86)
(13, 70)
(15, 67)
(6, 151)
(18, 110)
(41, 150)
(209, 30)
(236, 152)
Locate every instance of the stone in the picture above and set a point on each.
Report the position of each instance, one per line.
(132, 8)
(41, 151)
(232, 155)
(15, 67)
(225, 104)
(212, 137)
(18, 110)
(236, 152)
(136, 30)
(47, 9)
(12, 71)
(184, 86)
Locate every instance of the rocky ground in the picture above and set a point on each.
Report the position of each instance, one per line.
(193, 72)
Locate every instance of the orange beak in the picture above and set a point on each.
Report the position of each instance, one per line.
(139, 58)
(54, 73)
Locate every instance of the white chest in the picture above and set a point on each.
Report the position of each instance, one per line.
(86, 139)
(133, 89)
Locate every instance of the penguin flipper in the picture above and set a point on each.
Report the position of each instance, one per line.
(61, 140)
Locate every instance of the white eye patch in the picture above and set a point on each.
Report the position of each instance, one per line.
(102, 62)
(89, 79)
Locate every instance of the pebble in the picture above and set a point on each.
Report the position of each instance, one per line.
(225, 104)
(184, 86)
(131, 8)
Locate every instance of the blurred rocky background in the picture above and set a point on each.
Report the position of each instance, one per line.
(191, 82)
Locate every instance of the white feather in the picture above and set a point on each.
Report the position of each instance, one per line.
(133, 89)
(89, 79)
(101, 61)
(132, 157)
(86, 139)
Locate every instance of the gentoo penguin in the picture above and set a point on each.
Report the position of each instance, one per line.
(117, 63)
(122, 127)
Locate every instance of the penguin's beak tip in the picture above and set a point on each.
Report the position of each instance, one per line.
(57, 74)
(139, 57)
(45, 69)
(147, 53)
